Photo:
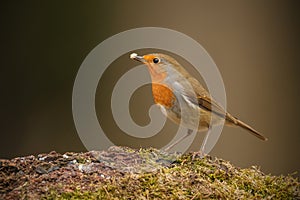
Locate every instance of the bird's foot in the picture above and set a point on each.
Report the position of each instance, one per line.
(168, 148)
(198, 154)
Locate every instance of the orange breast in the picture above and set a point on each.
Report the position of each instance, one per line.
(163, 95)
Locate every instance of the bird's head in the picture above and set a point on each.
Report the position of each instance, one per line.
(160, 65)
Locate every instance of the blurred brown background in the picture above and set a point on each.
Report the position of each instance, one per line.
(255, 44)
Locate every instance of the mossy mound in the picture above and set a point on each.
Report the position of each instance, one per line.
(93, 175)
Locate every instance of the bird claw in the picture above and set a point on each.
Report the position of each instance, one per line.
(198, 154)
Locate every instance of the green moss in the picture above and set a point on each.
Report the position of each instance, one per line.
(205, 178)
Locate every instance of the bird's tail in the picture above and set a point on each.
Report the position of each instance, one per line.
(250, 129)
(231, 120)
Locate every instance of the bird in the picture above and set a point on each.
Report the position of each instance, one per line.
(174, 89)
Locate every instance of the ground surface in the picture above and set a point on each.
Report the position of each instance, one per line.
(123, 173)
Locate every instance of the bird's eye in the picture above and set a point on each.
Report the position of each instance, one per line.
(155, 60)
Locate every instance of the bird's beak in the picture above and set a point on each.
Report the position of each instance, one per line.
(134, 56)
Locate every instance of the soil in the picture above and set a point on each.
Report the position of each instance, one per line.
(125, 173)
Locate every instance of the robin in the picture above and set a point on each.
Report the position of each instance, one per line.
(181, 98)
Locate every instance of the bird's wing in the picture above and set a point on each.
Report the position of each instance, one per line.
(204, 101)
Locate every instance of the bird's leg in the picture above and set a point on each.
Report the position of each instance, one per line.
(201, 152)
(189, 132)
